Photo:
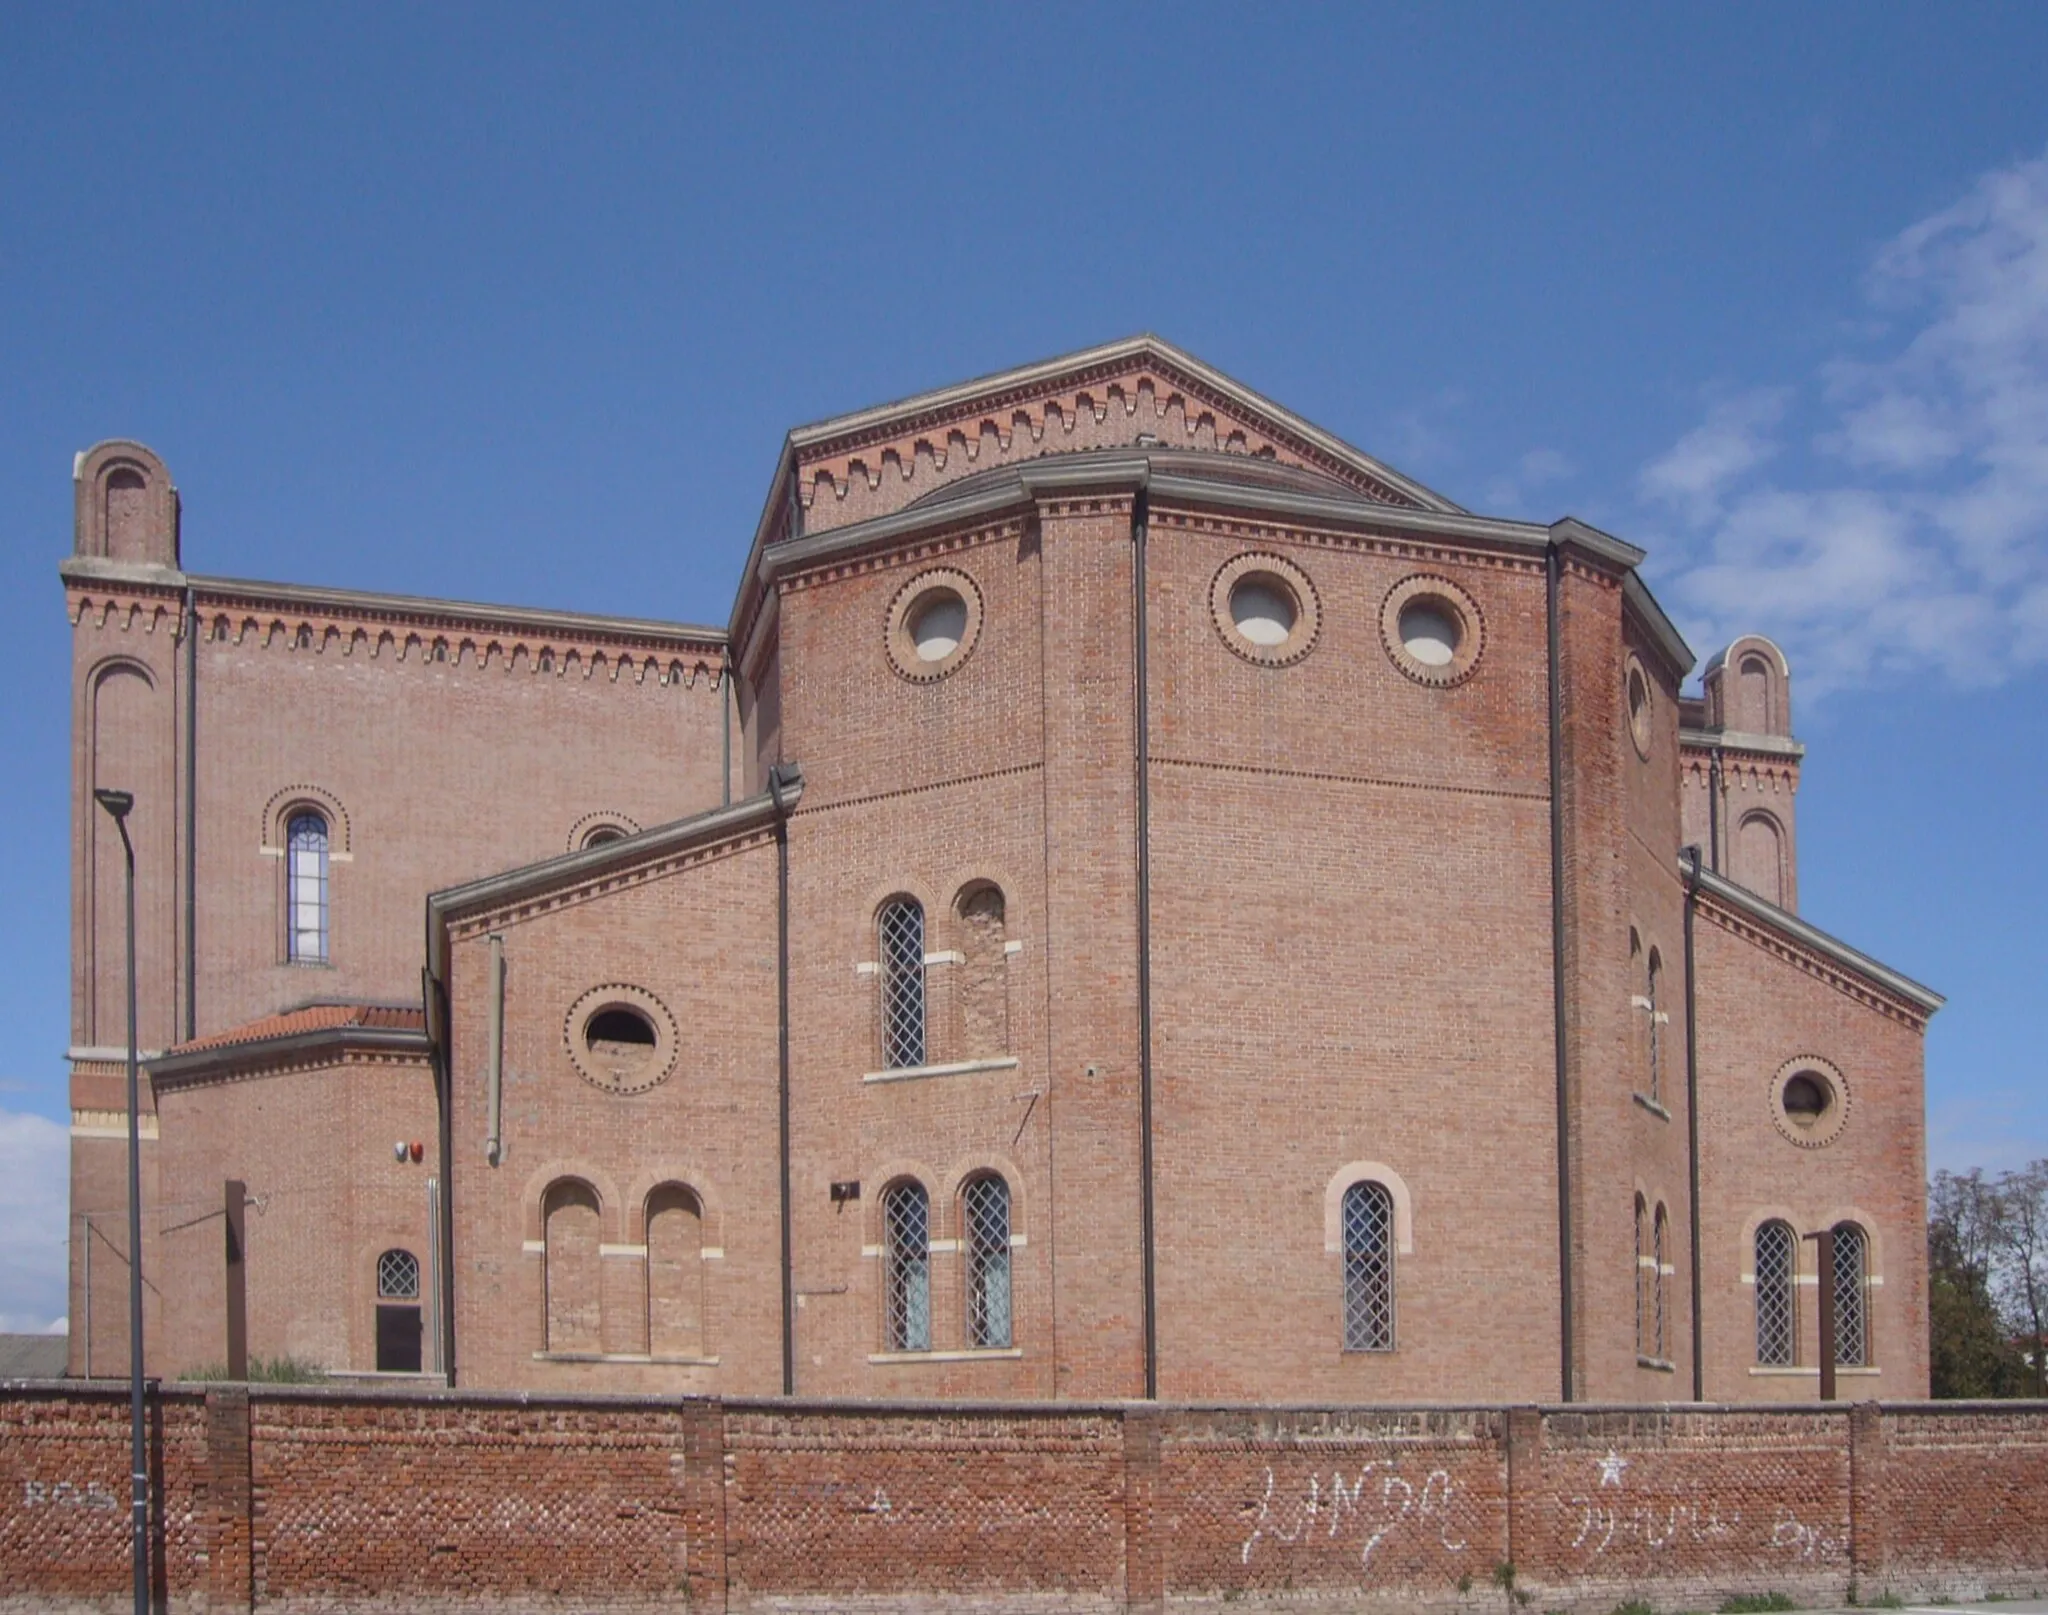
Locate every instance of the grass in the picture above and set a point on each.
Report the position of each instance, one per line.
(265, 1371)
(1756, 1603)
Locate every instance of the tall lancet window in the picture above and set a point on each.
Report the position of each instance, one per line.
(305, 854)
(901, 933)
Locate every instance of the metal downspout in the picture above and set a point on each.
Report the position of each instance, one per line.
(725, 728)
(1692, 1122)
(775, 784)
(1714, 788)
(191, 815)
(1148, 1261)
(1553, 586)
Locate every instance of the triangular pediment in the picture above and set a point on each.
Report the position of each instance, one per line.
(1138, 392)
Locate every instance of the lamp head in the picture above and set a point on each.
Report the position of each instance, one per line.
(115, 802)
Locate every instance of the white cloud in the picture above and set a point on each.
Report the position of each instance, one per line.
(1700, 467)
(35, 1178)
(1909, 532)
(1537, 469)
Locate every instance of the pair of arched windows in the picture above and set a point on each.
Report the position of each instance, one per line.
(672, 1324)
(980, 1016)
(306, 887)
(1777, 1291)
(1653, 1282)
(907, 1273)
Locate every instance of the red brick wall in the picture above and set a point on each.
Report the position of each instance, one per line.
(316, 1498)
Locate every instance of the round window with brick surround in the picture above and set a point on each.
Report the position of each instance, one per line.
(1636, 689)
(1809, 1101)
(1265, 609)
(934, 621)
(1433, 630)
(620, 1038)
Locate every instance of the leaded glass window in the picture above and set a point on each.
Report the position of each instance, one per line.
(907, 1276)
(1656, 1072)
(306, 888)
(1368, 1268)
(1852, 1296)
(985, 1208)
(902, 942)
(1642, 1280)
(1660, 1238)
(398, 1276)
(1777, 1318)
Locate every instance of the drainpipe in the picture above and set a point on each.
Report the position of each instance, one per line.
(725, 728)
(1140, 513)
(1714, 810)
(191, 815)
(1553, 578)
(494, 1076)
(775, 786)
(1692, 1120)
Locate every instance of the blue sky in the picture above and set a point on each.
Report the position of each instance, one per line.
(515, 304)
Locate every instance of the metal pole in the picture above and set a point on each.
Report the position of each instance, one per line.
(237, 1196)
(117, 804)
(1824, 1254)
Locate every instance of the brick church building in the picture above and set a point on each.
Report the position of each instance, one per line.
(1140, 898)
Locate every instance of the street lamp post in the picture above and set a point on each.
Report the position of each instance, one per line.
(117, 805)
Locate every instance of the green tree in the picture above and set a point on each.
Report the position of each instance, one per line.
(1970, 1344)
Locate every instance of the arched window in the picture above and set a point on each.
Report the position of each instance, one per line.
(675, 1272)
(1643, 1278)
(985, 1213)
(398, 1313)
(1660, 1291)
(569, 1216)
(1654, 993)
(1852, 1296)
(1777, 1315)
(1759, 857)
(1368, 1268)
(305, 863)
(901, 932)
(907, 1266)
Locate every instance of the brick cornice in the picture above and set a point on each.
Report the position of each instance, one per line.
(1868, 987)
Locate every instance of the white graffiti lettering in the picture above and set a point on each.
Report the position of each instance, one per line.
(1348, 1505)
(64, 1494)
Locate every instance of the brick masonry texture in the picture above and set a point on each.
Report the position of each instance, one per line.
(1339, 863)
(295, 1499)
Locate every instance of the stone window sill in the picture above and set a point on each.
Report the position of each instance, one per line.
(951, 1068)
(622, 1357)
(1656, 1364)
(1801, 1371)
(1651, 1106)
(979, 1354)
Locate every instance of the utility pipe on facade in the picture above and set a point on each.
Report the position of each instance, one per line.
(494, 1074)
(775, 788)
(1140, 513)
(1692, 1121)
(117, 804)
(191, 848)
(1552, 587)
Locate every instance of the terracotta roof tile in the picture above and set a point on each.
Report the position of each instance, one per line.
(313, 1018)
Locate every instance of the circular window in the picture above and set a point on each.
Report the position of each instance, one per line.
(934, 621)
(1265, 608)
(596, 829)
(1639, 708)
(621, 1039)
(1433, 630)
(1809, 1101)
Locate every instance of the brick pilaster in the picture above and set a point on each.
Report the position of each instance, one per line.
(704, 1503)
(1869, 1553)
(1524, 1442)
(226, 1527)
(1144, 1563)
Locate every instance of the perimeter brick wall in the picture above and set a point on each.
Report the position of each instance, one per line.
(284, 1497)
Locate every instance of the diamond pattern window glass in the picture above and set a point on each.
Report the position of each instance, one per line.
(985, 1207)
(902, 942)
(907, 1269)
(1656, 1073)
(1852, 1296)
(398, 1276)
(1660, 1275)
(1642, 1280)
(1368, 1268)
(1777, 1320)
(305, 853)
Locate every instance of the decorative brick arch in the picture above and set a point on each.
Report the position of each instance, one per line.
(124, 505)
(987, 1164)
(1746, 1242)
(546, 1176)
(641, 1187)
(1368, 1172)
(278, 811)
(903, 1169)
